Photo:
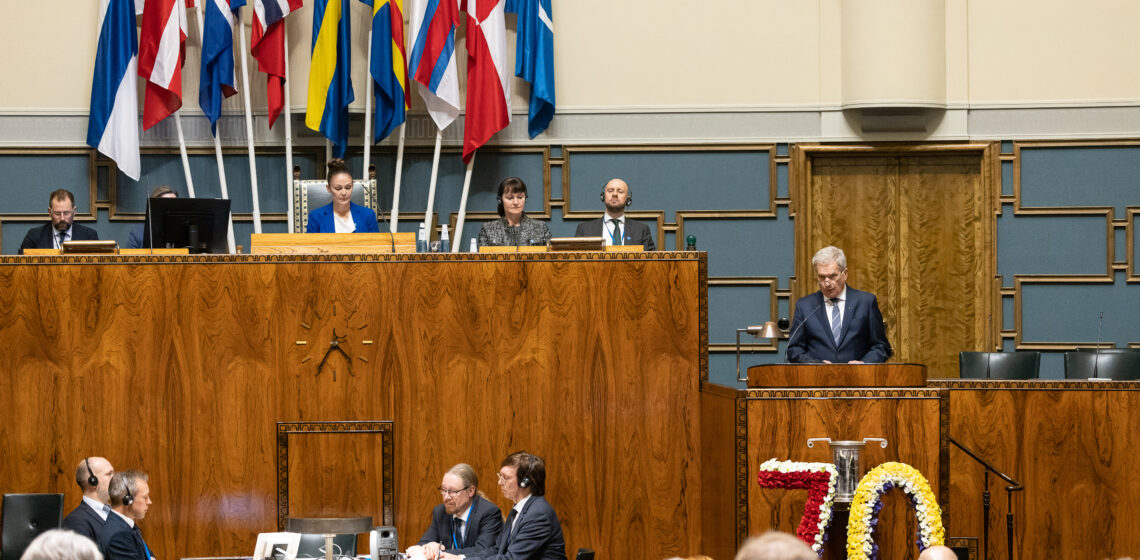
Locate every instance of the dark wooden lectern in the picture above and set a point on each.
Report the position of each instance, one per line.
(785, 404)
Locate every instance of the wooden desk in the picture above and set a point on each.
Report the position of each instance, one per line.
(181, 366)
(841, 402)
(1072, 444)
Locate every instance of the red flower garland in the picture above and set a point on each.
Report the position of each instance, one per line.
(818, 484)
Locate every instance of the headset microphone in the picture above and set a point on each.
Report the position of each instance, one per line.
(92, 480)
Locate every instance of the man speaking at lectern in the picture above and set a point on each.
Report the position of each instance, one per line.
(837, 324)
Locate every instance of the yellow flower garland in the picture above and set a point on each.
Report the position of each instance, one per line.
(860, 538)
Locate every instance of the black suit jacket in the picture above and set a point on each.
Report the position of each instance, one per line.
(120, 541)
(483, 526)
(537, 536)
(862, 336)
(40, 237)
(636, 233)
(85, 521)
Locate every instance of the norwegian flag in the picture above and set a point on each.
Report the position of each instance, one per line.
(268, 48)
(162, 50)
(431, 61)
(488, 85)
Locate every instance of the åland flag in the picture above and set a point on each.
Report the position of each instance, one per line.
(217, 77)
(488, 85)
(268, 48)
(330, 83)
(162, 48)
(389, 65)
(534, 58)
(432, 60)
(113, 122)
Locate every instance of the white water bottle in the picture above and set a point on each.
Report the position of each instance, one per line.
(421, 239)
(444, 240)
(474, 245)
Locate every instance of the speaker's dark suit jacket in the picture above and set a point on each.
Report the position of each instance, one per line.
(120, 541)
(40, 237)
(537, 536)
(483, 526)
(636, 233)
(85, 521)
(862, 336)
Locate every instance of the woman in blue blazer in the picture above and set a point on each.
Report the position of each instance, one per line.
(341, 215)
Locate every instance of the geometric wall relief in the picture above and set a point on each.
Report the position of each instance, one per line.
(1053, 245)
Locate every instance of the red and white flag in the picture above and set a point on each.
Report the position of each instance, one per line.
(268, 48)
(488, 81)
(162, 50)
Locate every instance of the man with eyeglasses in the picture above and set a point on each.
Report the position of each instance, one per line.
(465, 522)
(837, 324)
(61, 206)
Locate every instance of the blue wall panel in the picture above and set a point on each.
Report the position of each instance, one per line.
(1051, 245)
(744, 246)
(1081, 176)
(671, 181)
(736, 307)
(30, 179)
(1068, 312)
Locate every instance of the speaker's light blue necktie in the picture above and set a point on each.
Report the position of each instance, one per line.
(836, 320)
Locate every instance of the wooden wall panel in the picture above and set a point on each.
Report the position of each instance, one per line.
(917, 226)
(718, 462)
(1073, 446)
(780, 421)
(181, 367)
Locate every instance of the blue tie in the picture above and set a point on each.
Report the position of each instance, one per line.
(836, 320)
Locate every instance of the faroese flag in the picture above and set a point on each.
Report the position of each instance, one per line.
(330, 85)
(389, 65)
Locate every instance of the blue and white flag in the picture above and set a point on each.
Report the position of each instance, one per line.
(113, 121)
(217, 77)
(534, 58)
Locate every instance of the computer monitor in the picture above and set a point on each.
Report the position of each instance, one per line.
(200, 224)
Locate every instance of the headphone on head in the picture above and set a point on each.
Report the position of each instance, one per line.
(628, 195)
(128, 499)
(92, 480)
(524, 480)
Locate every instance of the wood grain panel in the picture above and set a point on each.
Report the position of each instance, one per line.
(1073, 446)
(181, 366)
(917, 226)
(909, 420)
(718, 462)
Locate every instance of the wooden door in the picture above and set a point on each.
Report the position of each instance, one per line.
(917, 227)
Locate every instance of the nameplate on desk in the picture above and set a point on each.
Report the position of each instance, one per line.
(514, 249)
(330, 243)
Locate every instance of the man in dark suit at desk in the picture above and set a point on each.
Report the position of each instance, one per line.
(465, 522)
(837, 324)
(93, 475)
(61, 208)
(613, 226)
(532, 530)
(130, 500)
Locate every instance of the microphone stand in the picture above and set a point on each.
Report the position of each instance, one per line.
(1096, 357)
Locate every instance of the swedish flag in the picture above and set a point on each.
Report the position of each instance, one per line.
(330, 82)
(389, 65)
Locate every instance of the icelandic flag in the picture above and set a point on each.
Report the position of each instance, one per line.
(113, 121)
(488, 85)
(389, 68)
(217, 78)
(330, 82)
(268, 48)
(432, 60)
(534, 58)
(162, 49)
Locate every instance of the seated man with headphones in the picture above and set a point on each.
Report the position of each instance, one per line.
(130, 500)
(613, 226)
(532, 530)
(93, 475)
